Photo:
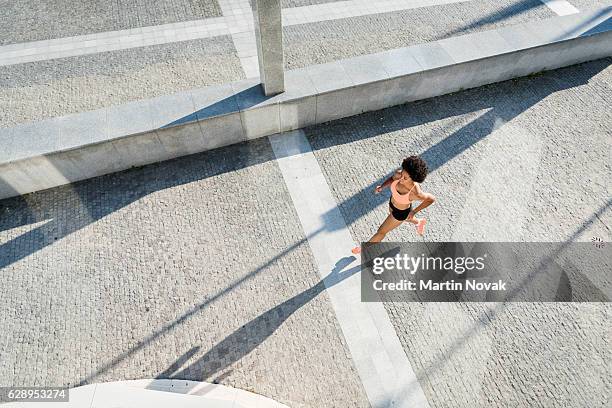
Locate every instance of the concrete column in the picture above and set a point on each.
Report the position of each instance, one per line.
(269, 37)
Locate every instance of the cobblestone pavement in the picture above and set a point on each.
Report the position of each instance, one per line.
(198, 268)
(195, 268)
(301, 3)
(37, 90)
(325, 41)
(584, 4)
(32, 20)
(568, 109)
(45, 89)
(472, 355)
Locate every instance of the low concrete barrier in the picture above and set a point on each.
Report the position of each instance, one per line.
(61, 150)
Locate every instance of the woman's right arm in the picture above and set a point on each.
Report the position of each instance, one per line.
(388, 181)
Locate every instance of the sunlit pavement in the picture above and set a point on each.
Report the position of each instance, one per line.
(210, 267)
(81, 56)
(525, 160)
(199, 268)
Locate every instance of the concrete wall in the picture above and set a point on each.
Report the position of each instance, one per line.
(62, 150)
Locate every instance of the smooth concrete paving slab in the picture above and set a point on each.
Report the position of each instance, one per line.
(383, 367)
(194, 269)
(561, 7)
(66, 47)
(353, 8)
(550, 133)
(239, 19)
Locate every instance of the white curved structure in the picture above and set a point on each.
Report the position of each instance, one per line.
(158, 394)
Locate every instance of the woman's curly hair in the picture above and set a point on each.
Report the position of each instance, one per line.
(416, 168)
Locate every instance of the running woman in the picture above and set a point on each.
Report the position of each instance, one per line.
(405, 187)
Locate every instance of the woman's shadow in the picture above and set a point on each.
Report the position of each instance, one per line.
(252, 334)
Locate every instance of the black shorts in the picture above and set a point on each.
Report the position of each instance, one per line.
(398, 214)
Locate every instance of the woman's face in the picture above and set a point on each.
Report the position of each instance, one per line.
(405, 176)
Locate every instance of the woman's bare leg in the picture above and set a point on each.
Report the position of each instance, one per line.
(387, 226)
(413, 220)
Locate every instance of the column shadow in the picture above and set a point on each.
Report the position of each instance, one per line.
(250, 335)
(506, 13)
(67, 209)
(504, 101)
(489, 316)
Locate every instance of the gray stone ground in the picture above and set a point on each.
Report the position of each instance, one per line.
(302, 3)
(479, 355)
(195, 268)
(34, 20)
(568, 109)
(586, 4)
(34, 91)
(198, 268)
(325, 41)
(39, 90)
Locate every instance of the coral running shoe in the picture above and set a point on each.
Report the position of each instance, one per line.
(421, 226)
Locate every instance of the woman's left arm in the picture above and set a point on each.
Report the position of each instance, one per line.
(426, 199)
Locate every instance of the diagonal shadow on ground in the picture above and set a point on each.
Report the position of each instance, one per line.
(160, 332)
(504, 103)
(488, 316)
(70, 208)
(496, 17)
(246, 338)
(67, 209)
